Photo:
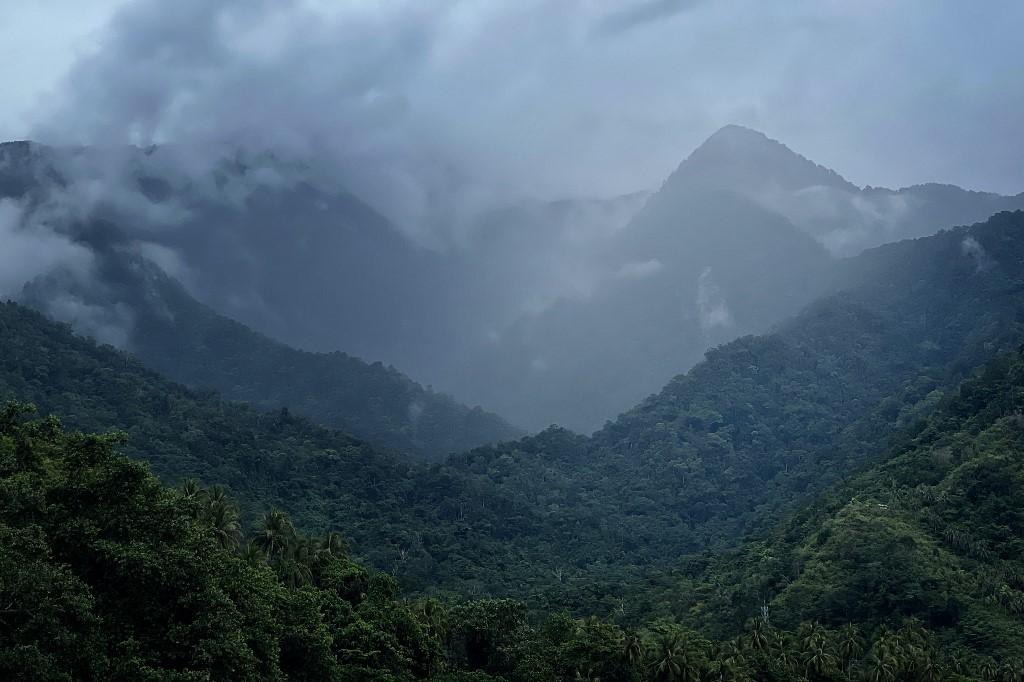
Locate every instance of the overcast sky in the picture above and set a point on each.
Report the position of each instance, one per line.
(549, 98)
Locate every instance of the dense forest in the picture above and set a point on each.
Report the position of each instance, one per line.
(763, 425)
(107, 574)
(511, 341)
(835, 498)
(173, 333)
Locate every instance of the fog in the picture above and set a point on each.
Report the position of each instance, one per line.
(413, 100)
(489, 195)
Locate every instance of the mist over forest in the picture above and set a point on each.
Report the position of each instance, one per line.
(519, 341)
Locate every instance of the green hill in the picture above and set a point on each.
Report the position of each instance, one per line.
(173, 333)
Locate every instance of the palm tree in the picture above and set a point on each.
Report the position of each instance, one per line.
(927, 670)
(880, 668)
(761, 636)
(819, 661)
(191, 490)
(253, 553)
(1012, 671)
(222, 518)
(276, 533)
(987, 669)
(217, 494)
(675, 658)
(333, 544)
(632, 648)
(851, 645)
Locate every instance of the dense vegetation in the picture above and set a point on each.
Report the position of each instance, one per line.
(932, 530)
(105, 574)
(857, 563)
(173, 333)
(761, 426)
(379, 404)
(765, 422)
(400, 514)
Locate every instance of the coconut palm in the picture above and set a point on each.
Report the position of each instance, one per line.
(632, 648)
(191, 490)
(222, 518)
(851, 645)
(880, 668)
(333, 544)
(276, 533)
(675, 658)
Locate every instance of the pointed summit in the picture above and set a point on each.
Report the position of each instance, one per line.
(745, 160)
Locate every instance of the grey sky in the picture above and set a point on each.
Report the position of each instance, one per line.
(543, 98)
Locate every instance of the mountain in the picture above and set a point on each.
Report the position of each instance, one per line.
(766, 422)
(185, 340)
(702, 280)
(744, 233)
(104, 573)
(531, 309)
(750, 437)
(927, 530)
(760, 426)
(393, 509)
(258, 240)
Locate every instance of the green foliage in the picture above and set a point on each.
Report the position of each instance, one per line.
(882, 492)
(106, 574)
(932, 532)
(176, 335)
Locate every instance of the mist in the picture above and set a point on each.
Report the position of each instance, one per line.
(470, 191)
(430, 111)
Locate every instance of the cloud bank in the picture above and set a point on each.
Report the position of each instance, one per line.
(431, 110)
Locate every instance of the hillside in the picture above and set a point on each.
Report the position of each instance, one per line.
(106, 574)
(764, 423)
(389, 506)
(761, 425)
(527, 308)
(173, 333)
(746, 437)
(928, 530)
(742, 235)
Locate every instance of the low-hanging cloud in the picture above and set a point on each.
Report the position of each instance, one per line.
(31, 249)
(434, 110)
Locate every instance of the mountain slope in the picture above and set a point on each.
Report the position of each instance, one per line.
(393, 509)
(513, 309)
(764, 423)
(742, 235)
(929, 530)
(760, 426)
(106, 574)
(176, 335)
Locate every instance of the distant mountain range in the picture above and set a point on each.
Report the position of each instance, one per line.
(897, 397)
(743, 234)
(567, 312)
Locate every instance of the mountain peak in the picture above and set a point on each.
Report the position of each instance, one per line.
(746, 160)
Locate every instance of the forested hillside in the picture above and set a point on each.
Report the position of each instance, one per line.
(930, 530)
(759, 427)
(765, 422)
(735, 447)
(173, 333)
(106, 574)
(323, 478)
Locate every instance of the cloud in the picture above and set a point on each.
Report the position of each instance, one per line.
(433, 110)
(712, 309)
(973, 249)
(640, 269)
(642, 13)
(31, 249)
